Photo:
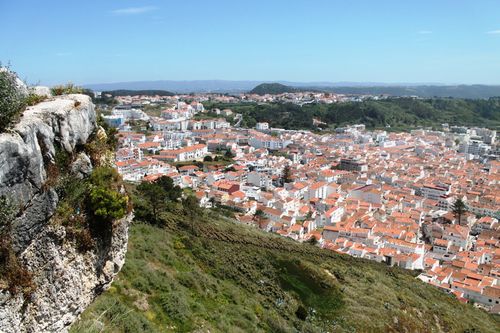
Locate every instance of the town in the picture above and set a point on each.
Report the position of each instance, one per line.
(425, 200)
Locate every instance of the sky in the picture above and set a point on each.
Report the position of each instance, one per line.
(391, 41)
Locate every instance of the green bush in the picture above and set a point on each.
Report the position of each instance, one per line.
(12, 101)
(105, 177)
(107, 204)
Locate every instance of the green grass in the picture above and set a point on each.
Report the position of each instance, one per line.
(224, 277)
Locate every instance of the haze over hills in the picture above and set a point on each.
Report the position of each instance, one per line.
(231, 85)
(374, 88)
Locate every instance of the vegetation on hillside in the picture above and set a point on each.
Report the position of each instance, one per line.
(475, 91)
(398, 113)
(272, 89)
(154, 198)
(12, 101)
(88, 205)
(198, 271)
(66, 89)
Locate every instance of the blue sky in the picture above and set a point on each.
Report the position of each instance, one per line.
(446, 41)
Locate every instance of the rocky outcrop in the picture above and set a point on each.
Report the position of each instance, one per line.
(66, 280)
(61, 123)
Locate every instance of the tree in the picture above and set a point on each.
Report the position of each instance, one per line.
(191, 208)
(107, 204)
(208, 158)
(229, 153)
(259, 213)
(459, 209)
(312, 240)
(173, 192)
(286, 176)
(154, 195)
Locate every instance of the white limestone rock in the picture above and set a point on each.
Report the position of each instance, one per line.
(66, 280)
(66, 121)
(41, 91)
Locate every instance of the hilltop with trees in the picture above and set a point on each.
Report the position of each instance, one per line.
(272, 89)
(394, 113)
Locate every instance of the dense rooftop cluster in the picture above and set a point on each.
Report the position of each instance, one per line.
(388, 197)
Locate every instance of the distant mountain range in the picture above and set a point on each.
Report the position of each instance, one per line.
(374, 88)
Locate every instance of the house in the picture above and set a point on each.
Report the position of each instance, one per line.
(458, 236)
(332, 216)
(331, 232)
(317, 190)
(193, 152)
(226, 186)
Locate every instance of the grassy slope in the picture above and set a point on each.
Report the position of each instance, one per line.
(230, 278)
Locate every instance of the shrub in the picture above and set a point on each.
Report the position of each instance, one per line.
(7, 212)
(12, 100)
(175, 306)
(107, 204)
(66, 89)
(33, 99)
(18, 278)
(12, 272)
(83, 238)
(105, 176)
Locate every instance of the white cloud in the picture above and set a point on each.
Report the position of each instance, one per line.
(133, 10)
(425, 32)
(493, 32)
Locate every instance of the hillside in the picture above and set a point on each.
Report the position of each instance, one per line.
(398, 113)
(213, 275)
(425, 91)
(272, 89)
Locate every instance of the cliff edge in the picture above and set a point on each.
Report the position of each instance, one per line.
(64, 280)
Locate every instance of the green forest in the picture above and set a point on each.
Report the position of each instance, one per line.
(395, 113)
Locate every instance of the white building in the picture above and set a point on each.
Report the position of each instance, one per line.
(262, 126)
